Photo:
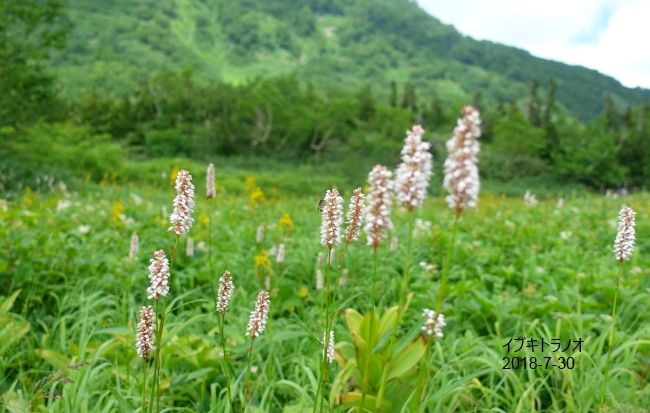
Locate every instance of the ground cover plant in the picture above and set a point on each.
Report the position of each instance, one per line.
(346, 326)
(181, 234)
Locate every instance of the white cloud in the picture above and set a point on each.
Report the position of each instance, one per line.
(614, 33)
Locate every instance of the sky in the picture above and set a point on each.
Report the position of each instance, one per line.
(611, 36)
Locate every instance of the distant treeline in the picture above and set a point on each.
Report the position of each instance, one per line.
(173, 115)
(285, 118)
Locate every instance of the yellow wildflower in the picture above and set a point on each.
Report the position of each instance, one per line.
(108, 178)
(285, 223)
(173, 174)
(530, 290)
(303, 292)
(250, 183)
(28, 197)
(117, 212)
(256, 197)
(262, 263)
(204, 218)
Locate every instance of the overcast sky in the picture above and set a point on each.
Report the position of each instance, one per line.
(611, 36)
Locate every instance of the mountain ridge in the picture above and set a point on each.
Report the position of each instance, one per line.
(118, 44)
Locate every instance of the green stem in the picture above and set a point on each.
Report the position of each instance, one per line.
(144, 386)
(225, 362)
(155, 366)
(331, 314)
(326, 311)
(423, 376)
(159, 332)
(158, 360)
(400, 309)
(611, 342)
(371, 344)
(407, 264)
(210, 244)
(445, 271)
(248, 371)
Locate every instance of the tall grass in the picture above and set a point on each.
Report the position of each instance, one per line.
(513, 275)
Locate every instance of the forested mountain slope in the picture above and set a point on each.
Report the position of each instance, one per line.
(115, 45)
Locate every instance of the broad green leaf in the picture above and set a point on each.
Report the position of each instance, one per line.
(339, 384)
(409, 298)
(56, 360)
(353, 319)
(14, 403)
(8, 302)
(388, 320)
(296, 408)
(13, 331)
(407, 359)
(344, 351)
(354, 398)
(369, 328)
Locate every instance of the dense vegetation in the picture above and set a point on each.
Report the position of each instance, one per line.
(280, 118)
(140, 109)
(116, 45)
(97, 117)
(68, 339)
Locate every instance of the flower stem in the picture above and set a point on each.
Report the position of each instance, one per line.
(407, 265)
(159, 332)
(423, 376)
(445, 271)
(248, 371)
(400, 309)
(225, 362)
(144, 386)
(158, 360)
(326, 311)
(371, 334)
(611, 342)
(210, 244)
(155, 366)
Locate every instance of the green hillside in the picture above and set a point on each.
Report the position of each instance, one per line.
(117, 44)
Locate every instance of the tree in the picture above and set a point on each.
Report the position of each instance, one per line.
(548, 119)
(366, 103)
(610, 113)
(534, 105)
(393, 94)
(409, 100)
(589, 155)
(634, 146)
(477, 100)
(435, 116)
(29, 31)
(514, 150)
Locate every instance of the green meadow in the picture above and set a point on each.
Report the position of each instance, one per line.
(71, 293)
(530, 295)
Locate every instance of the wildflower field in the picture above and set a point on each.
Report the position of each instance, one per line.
(71, 296)
(309, 206)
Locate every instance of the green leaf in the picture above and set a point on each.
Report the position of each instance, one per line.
(353, 319)
(57, 360)
(14, 403)
(13, 331)
(9, 302)
(345, 350)
(354, 398)
(368, 331)
(349, 370)
(286, 335)
(407, 359)
(355, 325)
(388, 320)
